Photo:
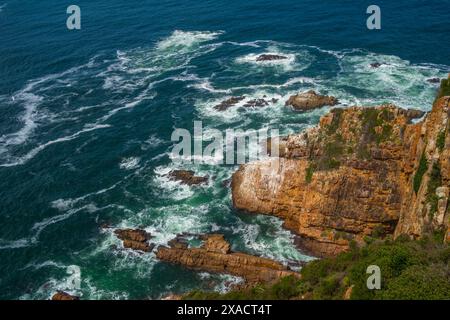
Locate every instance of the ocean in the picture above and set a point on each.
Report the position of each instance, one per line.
(87, 116)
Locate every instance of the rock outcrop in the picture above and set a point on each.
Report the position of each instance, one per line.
(226, 104)
(187, 177)
(64, 296)
(216, 256)
(363, 172)
(135, 239)
(270, 57)
(252, 103)
(310, 100)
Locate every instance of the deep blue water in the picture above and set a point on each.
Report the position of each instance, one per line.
(86, 119)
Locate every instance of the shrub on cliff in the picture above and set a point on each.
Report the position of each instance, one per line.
(409, 270)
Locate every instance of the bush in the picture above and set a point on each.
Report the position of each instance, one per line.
(423, 166)
(445, 88)
(440, 141)
(409, 270)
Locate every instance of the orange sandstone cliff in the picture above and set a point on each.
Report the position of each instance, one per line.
(361, 172)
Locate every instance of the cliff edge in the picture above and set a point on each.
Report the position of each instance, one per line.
(362, 172)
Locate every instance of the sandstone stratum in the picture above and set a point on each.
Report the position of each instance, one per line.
(215, 255)
(362, 172)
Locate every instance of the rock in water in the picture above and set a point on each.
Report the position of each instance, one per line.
(135, 239)
(270, 57)
(434, 80)
(215, 256)
(231, 102)
(310, 100)
(64, 296)
(187, 177)
(376, 65)
(256, 103)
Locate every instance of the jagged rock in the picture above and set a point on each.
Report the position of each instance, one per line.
(310, 100)
(231, 102)
(215, 256)
(348, 293)
(414, 113)
(187, 177)
(270, 57)
(434, 80)
(64, 296)
(135, 239)
(256, 103)
(350, 177)
(376, 64)
(216, 243)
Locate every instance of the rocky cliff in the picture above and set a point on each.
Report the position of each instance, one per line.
(362, 172)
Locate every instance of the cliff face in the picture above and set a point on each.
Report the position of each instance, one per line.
(361, 172)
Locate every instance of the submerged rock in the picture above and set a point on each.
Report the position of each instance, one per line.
(187, 177)
(376, 65)
(256, 103)
(310, 100)
(216, 256)
(64, 296)
(270, 57)
(231, 102)
(135, 239)
(434, 80)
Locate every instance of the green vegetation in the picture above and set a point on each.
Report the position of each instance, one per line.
(409, 270)
(440, 141)
(423, 166)
(445, 88)
(337, 113)
(372, 119)
(434, 182)
(309, 173)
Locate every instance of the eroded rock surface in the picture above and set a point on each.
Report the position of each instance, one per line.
(187, 177)
(64, 296)
(270, 57)
(356, 175)
(135, 239)
(310, 100)
(231, 102)
(216, 256)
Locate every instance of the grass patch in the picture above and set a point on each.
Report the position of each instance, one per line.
(423, 166)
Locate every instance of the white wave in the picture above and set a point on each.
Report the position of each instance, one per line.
(207, 86)
(182, 40)
(31, 154)
(173, 189)
(130, 163)
(152, 142)
(14, 244)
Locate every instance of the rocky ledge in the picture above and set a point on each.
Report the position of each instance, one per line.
(64, 296)
(187, 177)
(252, 103)
(216, 256)
(135, 239)
(362, 172)
(270, 57)
(310, 100)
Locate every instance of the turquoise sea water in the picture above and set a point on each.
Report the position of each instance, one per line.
(86, 119)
